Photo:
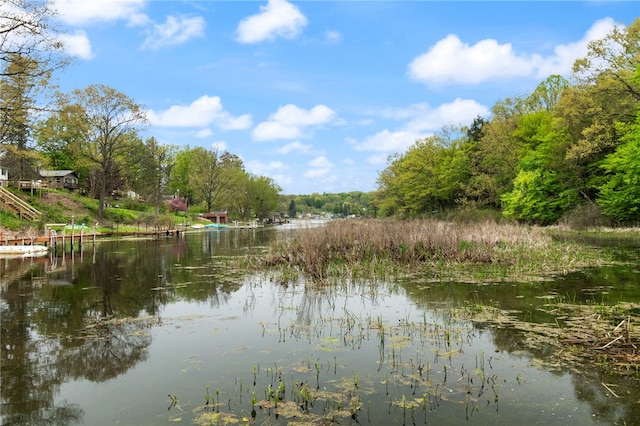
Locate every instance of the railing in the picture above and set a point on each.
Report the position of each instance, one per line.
(18, 205)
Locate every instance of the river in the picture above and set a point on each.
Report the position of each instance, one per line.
(166, 331)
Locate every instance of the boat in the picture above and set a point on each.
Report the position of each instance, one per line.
(216, 225)
(24, 249)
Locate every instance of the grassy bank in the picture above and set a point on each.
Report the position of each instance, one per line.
(65, 207)
(474, 252)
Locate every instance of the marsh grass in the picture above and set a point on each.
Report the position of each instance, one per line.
(420, 368)
(389, 248)
(582, 334)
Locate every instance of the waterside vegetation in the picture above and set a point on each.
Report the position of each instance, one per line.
(420, 252)
(474, 252)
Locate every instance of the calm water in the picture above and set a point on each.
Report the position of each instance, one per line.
(164, 332)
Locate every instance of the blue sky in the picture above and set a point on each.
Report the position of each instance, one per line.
(318, 94)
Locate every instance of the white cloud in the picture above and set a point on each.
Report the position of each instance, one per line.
(175, 30)
(200, 113)
(219, 146)
(319, 166)
(260, 168)
(294, 147)
(77, 44)
(333, 36)
(450, 61)
(456, 112)
(289, 121)
(378, 159)
(348, 161)
(278, 18)
(566, 54)
(204, 133)
(315, 173)
(271, 130)
(80, 12)
(387, 141)
(321, 161)
(421, 121)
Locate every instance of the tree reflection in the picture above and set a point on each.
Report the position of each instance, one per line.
(525, 307)
(89, 316)
(107, 350)
(30, 377)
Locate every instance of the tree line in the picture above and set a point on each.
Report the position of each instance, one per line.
(96, 132)
(569, 146)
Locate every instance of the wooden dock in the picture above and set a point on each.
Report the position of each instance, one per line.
(86, 238)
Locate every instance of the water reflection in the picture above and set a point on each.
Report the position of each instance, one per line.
(136, 320)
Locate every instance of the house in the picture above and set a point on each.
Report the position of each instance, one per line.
(58, 179)
(273, 218)
(217, 217)
(4, 177)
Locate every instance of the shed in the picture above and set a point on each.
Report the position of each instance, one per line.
(220, 217)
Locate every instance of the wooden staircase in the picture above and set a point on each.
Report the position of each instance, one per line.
(17, 205)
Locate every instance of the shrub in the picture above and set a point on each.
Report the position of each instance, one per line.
(585, 215)
(118, 215)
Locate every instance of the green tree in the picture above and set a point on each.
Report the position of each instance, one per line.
(492, 156)
(620, 194)
(179, 179)
(18, 92)
(110, 121)
(59, 139)
(425, 179)
(293, 209)
(264, 195)
(27, 29)
(547, 94)
(155, 165)
(536, 197)
(204, 178)
(30, 51)
(606, 94)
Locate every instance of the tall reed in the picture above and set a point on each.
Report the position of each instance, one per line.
(409, 243)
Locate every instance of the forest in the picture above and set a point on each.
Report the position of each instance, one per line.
(570, 150)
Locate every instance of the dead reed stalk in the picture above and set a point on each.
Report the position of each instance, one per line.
(408, 243)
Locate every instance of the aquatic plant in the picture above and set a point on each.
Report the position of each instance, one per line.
(386, 248)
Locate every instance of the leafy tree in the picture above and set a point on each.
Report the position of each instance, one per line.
(204, 178)
(59, 138)
(547, 94)
(546, 185)
(293, 209)
(27, 29)
(614, 57)
(18, 91)
(155, 166)
(492, 156)
(388, 198)
(110, 121)
(424, 179)
(30, 50)
(620, 194)
(178, 204)
(179, 179)
(536, 197)
(607, 94)
(264, 195)
(236, 191)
